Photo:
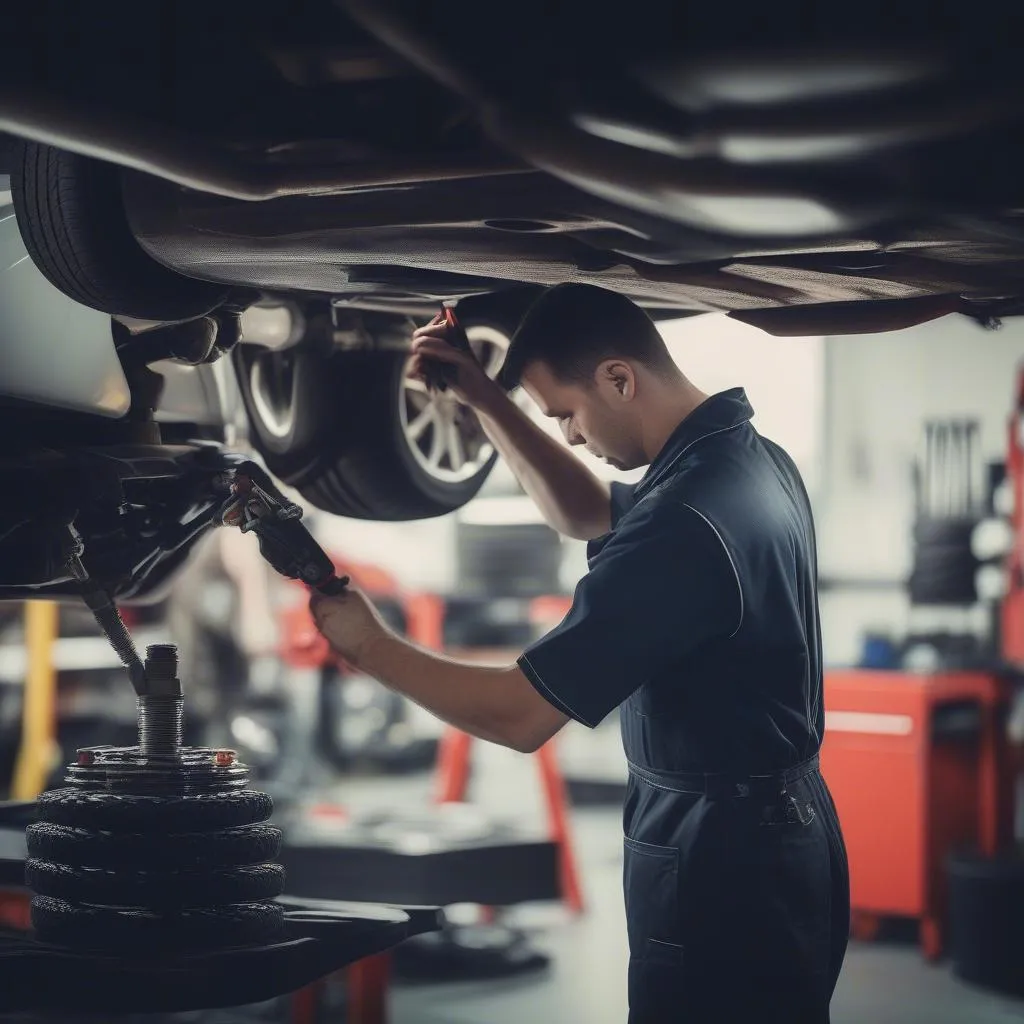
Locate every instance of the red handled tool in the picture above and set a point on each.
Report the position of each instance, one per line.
(256, 506)
(440, 375)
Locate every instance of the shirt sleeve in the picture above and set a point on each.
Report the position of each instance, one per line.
(663, 585)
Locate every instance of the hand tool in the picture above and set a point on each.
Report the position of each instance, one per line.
(440, 375)
(256, 506)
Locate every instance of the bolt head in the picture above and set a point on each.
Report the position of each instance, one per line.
(224, 758)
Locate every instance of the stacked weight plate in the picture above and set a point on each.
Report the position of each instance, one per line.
(142, 855)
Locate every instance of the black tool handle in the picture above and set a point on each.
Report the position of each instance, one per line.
(285, 542)
(440, 375)
(332, 587)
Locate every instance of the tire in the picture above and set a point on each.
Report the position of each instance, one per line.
(63, 923)
(73, 223)
(129, 812)
(336, 433)
(986, 920)
(190, 851)
(164, 889)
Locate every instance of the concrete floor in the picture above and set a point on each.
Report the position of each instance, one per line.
(882, 983)
(886, 982)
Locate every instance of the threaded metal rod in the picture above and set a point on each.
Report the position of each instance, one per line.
(110, 621)
(160, 725)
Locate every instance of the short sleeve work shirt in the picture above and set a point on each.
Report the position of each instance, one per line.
(659, 586)
(699, 615)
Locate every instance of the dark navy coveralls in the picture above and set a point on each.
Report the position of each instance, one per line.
(699, 620)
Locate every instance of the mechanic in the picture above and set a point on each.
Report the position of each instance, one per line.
(699, 621)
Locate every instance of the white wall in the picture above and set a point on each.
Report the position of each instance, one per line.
(783, 378)
(879, 391)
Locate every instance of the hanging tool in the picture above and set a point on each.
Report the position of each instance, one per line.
(929, 470)
(256, 506)
(972, 429)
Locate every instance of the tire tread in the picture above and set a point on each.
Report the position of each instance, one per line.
(75, 229)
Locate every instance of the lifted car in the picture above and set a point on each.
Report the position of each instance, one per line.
(292, 186)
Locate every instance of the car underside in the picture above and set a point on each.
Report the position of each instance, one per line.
(291, 186)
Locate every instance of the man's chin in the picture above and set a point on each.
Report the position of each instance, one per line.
(609, 460)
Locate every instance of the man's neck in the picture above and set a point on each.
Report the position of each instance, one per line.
(672, 405)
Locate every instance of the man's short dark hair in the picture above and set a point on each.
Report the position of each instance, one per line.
(572, 328)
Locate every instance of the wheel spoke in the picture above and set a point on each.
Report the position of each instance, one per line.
(446, 438)
(423, 419)
(456, 451)
(495, 357)
(437, 442)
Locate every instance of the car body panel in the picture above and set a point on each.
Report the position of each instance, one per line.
(206, 395)
(54, 351)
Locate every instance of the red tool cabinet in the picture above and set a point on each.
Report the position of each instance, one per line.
(914, 763)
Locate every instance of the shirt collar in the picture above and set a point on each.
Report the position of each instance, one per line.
(720, 412)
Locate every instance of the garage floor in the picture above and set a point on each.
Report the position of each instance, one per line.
(881, 982)
(586, 981)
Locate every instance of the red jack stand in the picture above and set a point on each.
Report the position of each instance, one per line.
(452, 781)
(305, 648)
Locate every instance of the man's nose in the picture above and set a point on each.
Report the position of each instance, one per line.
(574, 437)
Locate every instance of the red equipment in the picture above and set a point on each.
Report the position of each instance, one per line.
(1012, 627)
(909, 791)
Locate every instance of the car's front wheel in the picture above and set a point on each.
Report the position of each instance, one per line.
(356, 436)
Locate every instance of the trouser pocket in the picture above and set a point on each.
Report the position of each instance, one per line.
(651, 885)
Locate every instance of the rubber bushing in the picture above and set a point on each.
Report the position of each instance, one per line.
(132, 812)
(176, 851)
(156, 889)
(242, 924)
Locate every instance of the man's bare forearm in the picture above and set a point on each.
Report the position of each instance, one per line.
(571, 498)
(494, 703)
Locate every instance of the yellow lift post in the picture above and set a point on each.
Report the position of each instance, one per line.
(39, 705)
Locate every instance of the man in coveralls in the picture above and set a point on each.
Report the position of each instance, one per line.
(699, 620)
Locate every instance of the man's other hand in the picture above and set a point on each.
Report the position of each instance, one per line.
(349, 623)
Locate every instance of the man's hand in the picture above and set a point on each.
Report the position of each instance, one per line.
(349, 622)
(470, 384)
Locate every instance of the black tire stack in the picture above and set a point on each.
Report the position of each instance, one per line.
(986, 911)
(148, 873)
(945, 568)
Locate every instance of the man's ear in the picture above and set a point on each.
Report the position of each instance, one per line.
(619, 376)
